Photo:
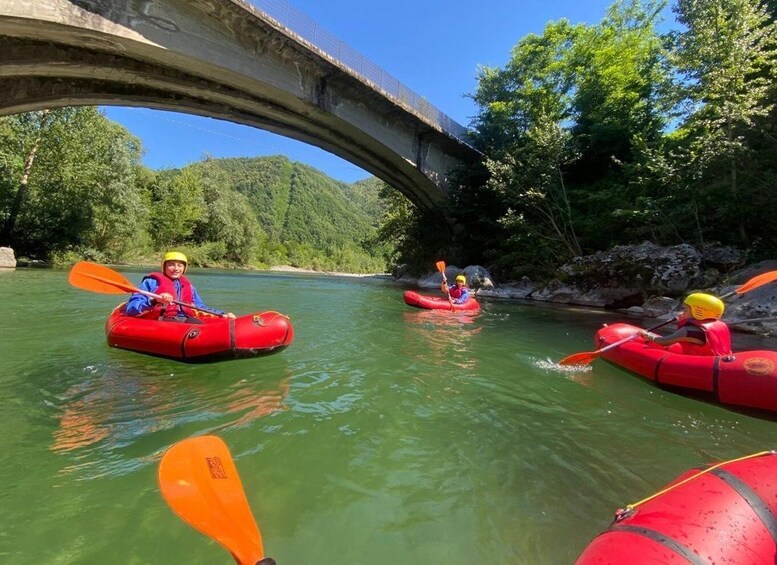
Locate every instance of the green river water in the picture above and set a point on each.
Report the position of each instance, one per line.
(382, 435)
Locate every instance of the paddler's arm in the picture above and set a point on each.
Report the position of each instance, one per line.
(140, 303)
(681, 335)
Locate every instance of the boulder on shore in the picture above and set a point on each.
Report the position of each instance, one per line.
(7, 258)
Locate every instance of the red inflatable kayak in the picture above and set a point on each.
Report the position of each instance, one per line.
(439, 303)
(215, 339)
(747, 379)
(724, 515)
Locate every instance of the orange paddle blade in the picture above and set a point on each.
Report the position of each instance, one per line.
(199, 481)
(584, 358)
(441, 266)
(755, 282)
(96, 278)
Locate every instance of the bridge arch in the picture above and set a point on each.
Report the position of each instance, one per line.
(222, 59)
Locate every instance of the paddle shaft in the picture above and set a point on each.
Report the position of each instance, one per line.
(633, 337)
(441, 268)
(185, 304)
(130, 288)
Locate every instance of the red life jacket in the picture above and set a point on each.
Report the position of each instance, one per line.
(717, 338)
(456, 292)
(166, 284)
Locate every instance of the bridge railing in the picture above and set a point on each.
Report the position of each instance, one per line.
(304, 26)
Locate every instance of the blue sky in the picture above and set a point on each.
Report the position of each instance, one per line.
(434, 48)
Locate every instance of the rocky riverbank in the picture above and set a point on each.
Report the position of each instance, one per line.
(644, 279)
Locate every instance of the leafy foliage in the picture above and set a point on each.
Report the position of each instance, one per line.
(613, 133)
(68, 180)
(71, 186)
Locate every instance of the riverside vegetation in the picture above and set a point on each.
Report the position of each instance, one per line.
(593, 136)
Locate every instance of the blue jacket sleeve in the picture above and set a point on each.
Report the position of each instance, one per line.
(140, 303)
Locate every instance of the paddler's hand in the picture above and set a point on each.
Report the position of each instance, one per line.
(165, 298)
(647, 336)
(444, 287)
(230, 315)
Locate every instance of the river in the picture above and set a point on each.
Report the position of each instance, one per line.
(382, 435)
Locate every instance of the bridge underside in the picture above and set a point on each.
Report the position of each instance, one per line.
(57, 53)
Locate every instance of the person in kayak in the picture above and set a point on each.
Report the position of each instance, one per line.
(699, 328)
(459, 292)
(170, 285)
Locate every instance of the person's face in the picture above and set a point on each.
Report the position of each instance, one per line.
(686, 313)
(174, 269)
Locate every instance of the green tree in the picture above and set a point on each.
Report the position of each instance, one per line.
(726, 58)
(73, 182)
(178, 205)
(621, 81)
(230, 221)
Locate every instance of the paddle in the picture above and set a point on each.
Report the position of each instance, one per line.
(97, 278)
(199, 481)
(441, 268)
(587, 357)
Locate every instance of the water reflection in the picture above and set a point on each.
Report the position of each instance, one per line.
(441, 337)
(104, 417)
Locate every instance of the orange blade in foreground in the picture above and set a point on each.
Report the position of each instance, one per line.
(94, 277)
(199, 481)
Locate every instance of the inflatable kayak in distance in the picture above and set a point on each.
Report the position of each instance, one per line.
(214, 339)
(722, 514)
(746, 378)
(438, 303)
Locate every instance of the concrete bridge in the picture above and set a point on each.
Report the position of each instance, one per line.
(224, 59)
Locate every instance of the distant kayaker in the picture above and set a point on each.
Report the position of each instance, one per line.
(459, 292)
(699, 328)
(170, 285)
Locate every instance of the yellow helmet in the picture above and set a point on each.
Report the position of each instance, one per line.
(704, 306)
(461, 279)
(175, 256)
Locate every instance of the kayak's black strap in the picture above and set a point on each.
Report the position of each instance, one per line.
(662, 539)
(759, 506)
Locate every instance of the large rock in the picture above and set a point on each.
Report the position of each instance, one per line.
(7, 258)
(754, 304)
(477, 277)
(626, 275)
(522, 289)
(722, 257)
(645, 278)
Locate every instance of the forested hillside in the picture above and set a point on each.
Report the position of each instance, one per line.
(72, 186)
(322, 223)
